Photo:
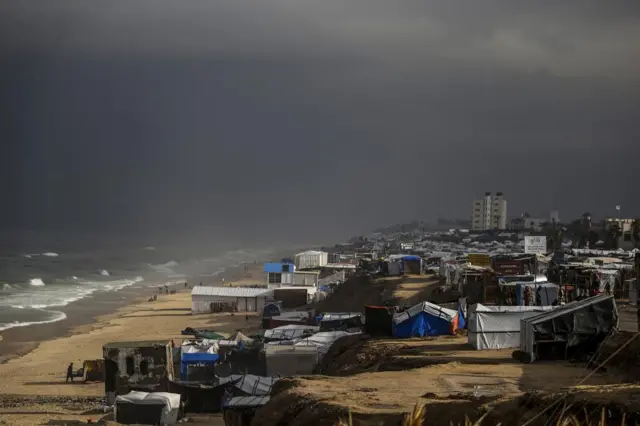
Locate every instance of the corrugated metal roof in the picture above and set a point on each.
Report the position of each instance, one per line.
(200, 290)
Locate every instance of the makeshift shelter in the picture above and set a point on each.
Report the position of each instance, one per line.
(142, 364)
(498, 327)
(339, 321)
(147, 408)
(289, 332)
(239, 411)
(290, 360)
(393, 267)
(199, 397)
(272, 309)
(410, 264)
(575, 329)
(413, 264)
(196, 359)
(425, 319)
(249, 384)
(379, 320)
(322, 341)
(209, 299)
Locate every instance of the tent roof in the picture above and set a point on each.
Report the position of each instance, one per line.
(199, 357)
(569, 307)
(246, 401)
(144, 398)
(201, 290)
(250, 384)
(482, 308)
(428, 308)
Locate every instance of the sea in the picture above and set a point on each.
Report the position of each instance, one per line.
(37, 286)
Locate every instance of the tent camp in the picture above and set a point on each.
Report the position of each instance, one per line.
(498, 327)
(575, 329)
(425, 319)
(147, 408)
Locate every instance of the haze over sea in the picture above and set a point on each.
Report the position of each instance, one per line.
(41, 275)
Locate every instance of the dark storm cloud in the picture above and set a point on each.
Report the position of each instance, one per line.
(255, 118)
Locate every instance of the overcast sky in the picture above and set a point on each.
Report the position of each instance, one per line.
(316, 118)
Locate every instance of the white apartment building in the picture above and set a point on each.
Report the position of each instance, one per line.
(489, 212)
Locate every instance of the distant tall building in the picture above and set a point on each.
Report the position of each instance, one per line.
(554, 217)
(489, 212)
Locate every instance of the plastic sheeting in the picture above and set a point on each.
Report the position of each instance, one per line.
(498, 327)
(425, 319)
(170, 401)
(581, 326)
(250, 384)
(289, 332)
(323, 340)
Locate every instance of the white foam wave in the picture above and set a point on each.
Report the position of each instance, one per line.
(36, 282)
(116, 285)
(50, 254)
(105, 273)
(150, 248)
(165, 268)
(56, 316)
(6, 286)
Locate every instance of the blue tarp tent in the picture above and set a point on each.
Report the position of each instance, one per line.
(195, 358)
(425, 319)
(272, 309)
(462, 321)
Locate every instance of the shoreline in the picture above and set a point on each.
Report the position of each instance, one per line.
(41, 371)
(82, 314)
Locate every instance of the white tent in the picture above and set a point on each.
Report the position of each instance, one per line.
(498, 327)
(169, 401)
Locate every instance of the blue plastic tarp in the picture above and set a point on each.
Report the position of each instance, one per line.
(422, 324)
(462, 322)
(196, 358)
(411, 257)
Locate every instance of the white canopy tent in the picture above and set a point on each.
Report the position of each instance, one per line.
(498, 327)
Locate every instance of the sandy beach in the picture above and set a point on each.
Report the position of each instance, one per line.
(41, 371)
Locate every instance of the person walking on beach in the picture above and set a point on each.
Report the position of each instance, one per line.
(69, 373)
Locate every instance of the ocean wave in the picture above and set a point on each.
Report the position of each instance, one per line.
(35, 301)
(165, 268)
(115, 285)
(55, 317)
(150, 248)
(36, 282)
(105, 273)
(50, 254)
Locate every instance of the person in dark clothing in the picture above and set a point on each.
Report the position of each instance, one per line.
(69, 373)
